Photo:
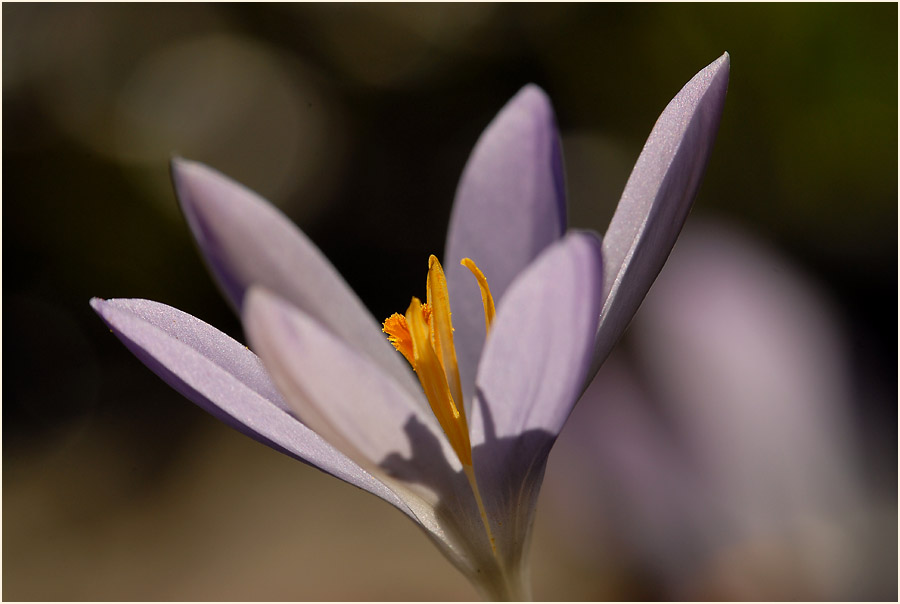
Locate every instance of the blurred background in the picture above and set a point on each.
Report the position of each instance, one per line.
(356, 120)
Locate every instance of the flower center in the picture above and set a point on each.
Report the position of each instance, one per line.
(424, 336)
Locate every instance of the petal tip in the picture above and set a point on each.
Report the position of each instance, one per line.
(107, 308)
(188, 175)
(592, 240)
(182, 171)
(592, 244)
(532, 90)
(255, 296)
(720, 67)
(260, 304)
(100, 306)
(534, 99)
(712, 78)
(180, 167)
(723, 63)
(103, 306)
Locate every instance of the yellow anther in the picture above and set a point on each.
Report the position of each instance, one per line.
(442, 327)
(450, 416)
(398, 333)
(486, 299)
(424, 336)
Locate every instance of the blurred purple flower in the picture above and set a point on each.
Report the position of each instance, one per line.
(722, 459)
(328, 389)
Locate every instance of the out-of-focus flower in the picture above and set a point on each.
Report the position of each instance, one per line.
(327, 388)
(722, 459)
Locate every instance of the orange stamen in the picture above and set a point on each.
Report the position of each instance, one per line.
(424, 336)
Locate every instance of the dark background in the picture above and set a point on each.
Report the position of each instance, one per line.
(357, 120)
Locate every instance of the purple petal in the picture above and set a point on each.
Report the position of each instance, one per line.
(616, 470)
(224, 378)
(348, 400)
(747, 438)
(657, 200)
(247, 241)
(531, 374)
(769, 419)
(769, 413)
(509, 206)
(535, 356)
(335, 390)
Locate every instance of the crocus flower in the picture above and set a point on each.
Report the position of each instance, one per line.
(461, 450)
(722, 458)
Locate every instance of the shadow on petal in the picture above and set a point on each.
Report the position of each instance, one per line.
(509, 490)
(515, 475)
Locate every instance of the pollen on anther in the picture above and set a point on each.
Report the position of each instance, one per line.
(398, 334)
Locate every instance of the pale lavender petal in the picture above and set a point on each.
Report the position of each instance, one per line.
(657, 199)
(334, 389)
(617, 471)
(509, 206)
(224, 378)
(744, 456)
(756, 380)
(344, 397)
(532, 361)
(531, 375)
(247, 241)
